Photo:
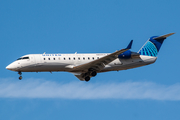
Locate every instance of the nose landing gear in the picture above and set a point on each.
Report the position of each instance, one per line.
(20, 73)
(20, 77)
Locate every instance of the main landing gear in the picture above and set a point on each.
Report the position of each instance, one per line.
(87, 78)
(20, 73)
(89, 74)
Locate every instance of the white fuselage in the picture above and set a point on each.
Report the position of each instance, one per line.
(65, 62)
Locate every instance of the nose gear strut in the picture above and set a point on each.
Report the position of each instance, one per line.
(20, 73)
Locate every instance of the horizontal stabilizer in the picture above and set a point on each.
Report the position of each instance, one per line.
(163, 36)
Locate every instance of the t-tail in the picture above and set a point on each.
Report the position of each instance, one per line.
(153, 45)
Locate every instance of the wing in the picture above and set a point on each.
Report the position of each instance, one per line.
(78, 75)
(100, 63)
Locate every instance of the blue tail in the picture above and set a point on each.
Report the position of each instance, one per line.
(153, 45)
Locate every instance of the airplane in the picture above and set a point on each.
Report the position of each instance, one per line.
(85, 66)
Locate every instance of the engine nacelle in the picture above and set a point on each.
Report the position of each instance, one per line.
(125, 55)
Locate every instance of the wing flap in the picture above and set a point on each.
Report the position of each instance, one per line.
(78, 75)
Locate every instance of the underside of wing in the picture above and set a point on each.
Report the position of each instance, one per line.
(79, 76)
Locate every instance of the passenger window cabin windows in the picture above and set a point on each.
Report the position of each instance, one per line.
(54, 59)
(69, 58)
(93, 58)
(88, 58)
(44, 58)
(79, 58)
(64, 58)
(49, 58)
(74, 58)
(83, 58)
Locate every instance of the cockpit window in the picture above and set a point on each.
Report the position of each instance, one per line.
(19, 59)
(22, 58)
(25, 58)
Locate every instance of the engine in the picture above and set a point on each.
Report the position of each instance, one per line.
(125, 55)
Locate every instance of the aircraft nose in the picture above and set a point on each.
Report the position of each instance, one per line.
(10, 67)
(7, 67)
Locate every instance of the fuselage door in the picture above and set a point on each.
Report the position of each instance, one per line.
(32, 60)
(37, 59)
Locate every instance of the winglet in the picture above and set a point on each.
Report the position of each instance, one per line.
(163, 36)
(130, 44)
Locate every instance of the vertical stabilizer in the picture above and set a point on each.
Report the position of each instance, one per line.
(153, 45)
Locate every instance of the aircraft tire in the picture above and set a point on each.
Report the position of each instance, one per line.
(94, 73)
(20, 77)
(19, 72)
(87, 78)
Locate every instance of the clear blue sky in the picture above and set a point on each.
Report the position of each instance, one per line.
(90, 26)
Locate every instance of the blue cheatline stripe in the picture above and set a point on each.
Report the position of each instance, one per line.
(152, 50)
(152, 53)
(142, 52)
(146, 50)
(149, 49)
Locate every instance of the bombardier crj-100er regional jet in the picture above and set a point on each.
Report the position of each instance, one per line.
(85, 66)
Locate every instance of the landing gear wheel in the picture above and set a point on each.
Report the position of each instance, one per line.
(20, 77)
(20, 73)
(87, 78)
(94, 73)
